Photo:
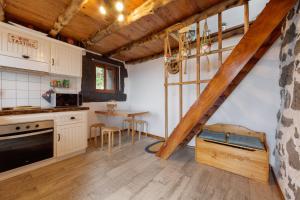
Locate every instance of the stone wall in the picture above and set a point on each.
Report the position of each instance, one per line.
(287, 150)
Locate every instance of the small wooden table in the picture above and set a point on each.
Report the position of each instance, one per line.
(123, 113)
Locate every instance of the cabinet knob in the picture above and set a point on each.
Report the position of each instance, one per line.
(72, 118)
(25, 56)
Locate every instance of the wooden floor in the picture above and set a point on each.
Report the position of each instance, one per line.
(131, 173)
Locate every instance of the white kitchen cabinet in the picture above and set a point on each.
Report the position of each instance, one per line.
(66, 60)
(28, 47)
(20, 49)
(71, 133)
(70, 139)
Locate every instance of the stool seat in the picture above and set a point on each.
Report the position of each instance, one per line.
(97, 125)
(111, 129)
(140, 121)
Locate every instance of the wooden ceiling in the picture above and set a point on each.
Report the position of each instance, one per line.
(104, 34)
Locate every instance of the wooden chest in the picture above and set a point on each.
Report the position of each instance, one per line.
(250, 163)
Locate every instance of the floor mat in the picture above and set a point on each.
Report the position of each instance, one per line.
(153, 148)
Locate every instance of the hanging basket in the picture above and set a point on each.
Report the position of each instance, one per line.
(172, 67)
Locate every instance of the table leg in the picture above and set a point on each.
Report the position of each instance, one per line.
(133, 131)
(109, 142)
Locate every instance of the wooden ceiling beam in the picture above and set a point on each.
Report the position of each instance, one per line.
(2, 13)
(218, 8)
(64, 19)
(228, 33)
(150, 7)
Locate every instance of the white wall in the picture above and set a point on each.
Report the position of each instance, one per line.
(253, 104)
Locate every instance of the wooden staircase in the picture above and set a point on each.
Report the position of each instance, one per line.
(261, 35)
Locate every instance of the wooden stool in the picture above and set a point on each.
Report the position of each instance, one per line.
(130, 125)
(143, 127)
(110, 133)
(95, 126)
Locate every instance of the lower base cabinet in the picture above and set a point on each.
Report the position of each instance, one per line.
(71, 138)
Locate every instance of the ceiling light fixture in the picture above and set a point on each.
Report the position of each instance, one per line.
(121, 17)
(119, 6)
(102, 10)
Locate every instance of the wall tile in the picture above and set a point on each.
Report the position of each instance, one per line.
(8, 103)
(9, 76)
(34, 86)
(9, 94)
(22, 102)
(35, 102)
(22, 77)
(34, 79)
(22, 94)
(34, 94)
(8, 85)
(21, 85)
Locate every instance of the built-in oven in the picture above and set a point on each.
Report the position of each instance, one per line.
(25, 143)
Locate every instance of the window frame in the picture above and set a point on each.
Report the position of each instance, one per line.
(107, 67)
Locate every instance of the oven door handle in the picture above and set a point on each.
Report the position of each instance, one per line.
(25, 135)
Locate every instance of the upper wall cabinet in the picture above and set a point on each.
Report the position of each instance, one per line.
(66, 60)
(19, 49)
(26, 49)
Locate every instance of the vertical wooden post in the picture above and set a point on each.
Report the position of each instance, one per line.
(180, 73)
(246, 17)
(198, 60)
(166, 88)
(220, 54)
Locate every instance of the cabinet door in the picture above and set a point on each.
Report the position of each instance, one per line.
(24, 46)
(66, 60)
(76, 63)
(60, 59)
(71, 138)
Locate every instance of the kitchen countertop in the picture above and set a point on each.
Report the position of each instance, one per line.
(41, 110)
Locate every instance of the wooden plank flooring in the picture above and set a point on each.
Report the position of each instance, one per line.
(131, 173)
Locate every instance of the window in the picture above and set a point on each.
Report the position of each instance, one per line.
(105, 79)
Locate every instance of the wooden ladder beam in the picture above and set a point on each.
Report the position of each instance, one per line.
(251, 48)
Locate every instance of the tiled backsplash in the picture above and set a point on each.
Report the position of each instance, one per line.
(26, 88)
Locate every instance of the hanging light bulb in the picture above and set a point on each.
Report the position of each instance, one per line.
(102, 10)
(121, 17)
(119, 6)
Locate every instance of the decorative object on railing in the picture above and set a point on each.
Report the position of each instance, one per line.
(206, 41)
(186, 37)
(171, 63)
(205, 46)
